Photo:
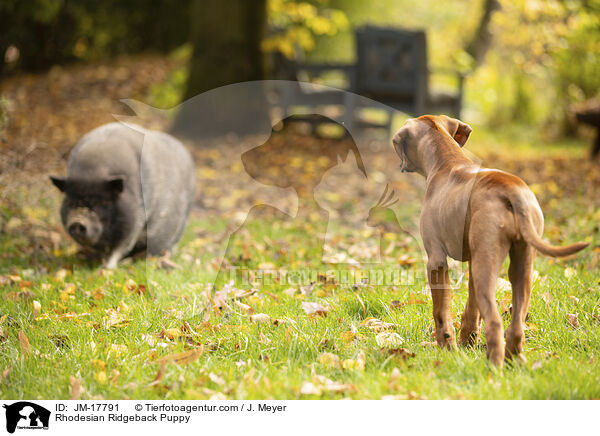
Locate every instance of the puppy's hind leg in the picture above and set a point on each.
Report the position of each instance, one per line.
(441, 294)
(469, 328)
(485, 265)
(520, 274)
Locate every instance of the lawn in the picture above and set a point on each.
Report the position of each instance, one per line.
(69, 329)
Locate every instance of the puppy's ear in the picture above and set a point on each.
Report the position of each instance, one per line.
(399, 141)
(59, 182)
(458, 130)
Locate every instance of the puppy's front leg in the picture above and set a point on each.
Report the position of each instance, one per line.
(441, 294)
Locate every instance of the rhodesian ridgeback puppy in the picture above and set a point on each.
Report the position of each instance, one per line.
(476, 215)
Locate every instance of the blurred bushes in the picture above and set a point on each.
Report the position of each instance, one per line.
(39, 33)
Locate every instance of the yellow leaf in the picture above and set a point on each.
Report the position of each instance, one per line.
(348, 336)
(98, 364)
(123, 307)
(118, 348)
(100, 377)
(329, 360)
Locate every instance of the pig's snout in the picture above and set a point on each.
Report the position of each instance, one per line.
(77, 230)
(84, 226)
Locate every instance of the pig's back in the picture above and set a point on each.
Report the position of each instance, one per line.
(110, 150)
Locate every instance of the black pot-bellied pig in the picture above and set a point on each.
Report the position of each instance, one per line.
(128, 189)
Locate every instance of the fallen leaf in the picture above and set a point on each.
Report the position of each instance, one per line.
(314, 309)
(159, 374)
(404, 353)
(37, 307)
(170, 334)
(243, 307)
(216, 379)
(355, 364)
(348, 336)
(100, 377)
(24, 344)
(309, 388)
(115, 319)
(573, 319)
(184, 357)
(260, 318)
(389, 340)
(98, 364)
(123, 307)
(76, 387)
(574, 300)
(329, 359)
(377, 325)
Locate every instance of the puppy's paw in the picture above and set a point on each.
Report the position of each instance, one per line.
(516, 359)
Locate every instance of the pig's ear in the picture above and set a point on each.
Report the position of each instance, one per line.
(115, 185)
(59, 182)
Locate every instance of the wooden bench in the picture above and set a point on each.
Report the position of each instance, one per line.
(588, 113)
(391, 68)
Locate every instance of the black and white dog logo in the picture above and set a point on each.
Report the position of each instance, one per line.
(26, 415)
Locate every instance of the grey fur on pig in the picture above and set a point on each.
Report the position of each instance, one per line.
(128, 189)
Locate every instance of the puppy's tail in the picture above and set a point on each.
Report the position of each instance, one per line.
(525, 226)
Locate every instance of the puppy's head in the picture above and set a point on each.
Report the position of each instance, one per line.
(408, 138)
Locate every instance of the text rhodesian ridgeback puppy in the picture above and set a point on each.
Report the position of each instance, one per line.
(476, 215)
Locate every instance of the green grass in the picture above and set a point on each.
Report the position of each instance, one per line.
(71, 335)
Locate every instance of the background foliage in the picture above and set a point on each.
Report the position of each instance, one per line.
(545, 54)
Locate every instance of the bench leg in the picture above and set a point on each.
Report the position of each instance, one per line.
(596, 145)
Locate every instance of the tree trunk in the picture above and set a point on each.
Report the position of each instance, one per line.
(226, 36)
(482, 40)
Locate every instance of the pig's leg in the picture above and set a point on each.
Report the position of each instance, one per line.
(125, 245)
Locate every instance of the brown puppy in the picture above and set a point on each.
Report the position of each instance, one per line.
(476, 215)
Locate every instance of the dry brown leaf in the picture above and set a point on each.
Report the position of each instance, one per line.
(159, 374)
(243, 307)
(184, 357)
(76, 387)
(412, 299)
(573, 319)
(314, 309)
(170, 334)
(24, 344)
(377, 325)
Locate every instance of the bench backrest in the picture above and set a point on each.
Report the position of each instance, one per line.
(391, 66)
